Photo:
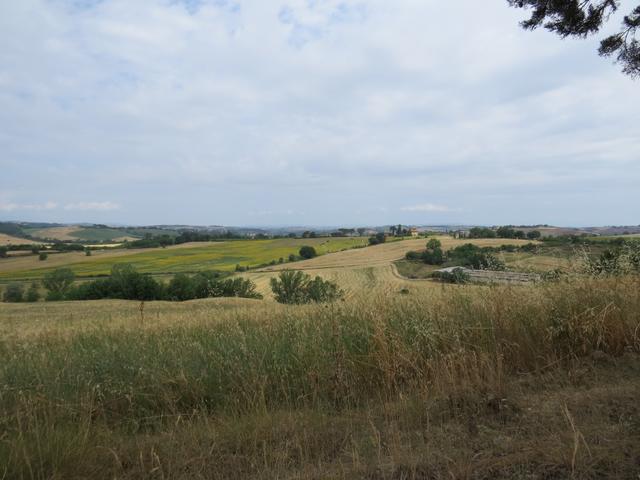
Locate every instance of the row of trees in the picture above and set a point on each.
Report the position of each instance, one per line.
(126, 283)
(503, 232)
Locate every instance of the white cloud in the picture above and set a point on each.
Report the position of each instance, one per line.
(18, 207)
(266, 105)
(92, 206)
(427, 207)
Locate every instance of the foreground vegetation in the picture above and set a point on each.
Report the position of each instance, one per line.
(470, 382)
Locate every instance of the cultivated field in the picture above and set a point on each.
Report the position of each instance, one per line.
(369, 269)
(11, 240)
(174, 259)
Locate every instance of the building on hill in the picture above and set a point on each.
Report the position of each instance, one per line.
(414, 232)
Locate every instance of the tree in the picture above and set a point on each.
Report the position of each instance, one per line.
(290, 287)
(58, 282)
(3, 252)
(308, 252)
(434, 243)
(43, 256)
(361, 231)
(13, 294)
(181, 288)
(534, 235)
(295, 287)
(33, 295)
(482, 232)
(581, 18)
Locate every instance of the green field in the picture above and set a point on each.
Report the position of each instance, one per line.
(183, 258)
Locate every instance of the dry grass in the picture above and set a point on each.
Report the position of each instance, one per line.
(11, 240)
(501, 382)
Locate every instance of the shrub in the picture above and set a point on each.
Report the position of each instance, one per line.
(180, 288)
(308, 252)
(13, 294)
(58, 282)
(32, 295)
(323, 291)
(292, 258)
(43, 256)
(412, 255)
(457, 276)
(290, 287)
(434, 243)
(295, 287)
(433, 257)
(482, 232)
(377, 239)
(472, 256)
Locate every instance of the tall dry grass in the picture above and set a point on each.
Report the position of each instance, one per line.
(64, 398)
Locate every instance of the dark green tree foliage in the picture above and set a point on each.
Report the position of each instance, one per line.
(581, 18)
(58, 282)
(180, 288)
(3, 252)
(433, 255)
(482, 232)
(308, 252)
(534, 235)
(13, 294)
(43, 256)
(129, 284)
(295, 287)
(478, 258)
(32, 295)
(377, 239)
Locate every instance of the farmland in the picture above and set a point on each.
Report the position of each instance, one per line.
(402, 379)
(181, 258)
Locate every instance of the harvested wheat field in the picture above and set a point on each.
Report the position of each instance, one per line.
(11, 240)
(366, 269)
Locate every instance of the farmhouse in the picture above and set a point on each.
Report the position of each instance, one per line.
(414, 232)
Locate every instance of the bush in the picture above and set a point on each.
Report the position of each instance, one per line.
(43, 256)
(13, 294)
(475, 257)
(295, 287)
(58, 282)
(457, 276)
(413, 255)
(292, 258)
(482, 232)
(308, 252)
(32, 295)
(180, 288)
(127, 284)
(377, 239)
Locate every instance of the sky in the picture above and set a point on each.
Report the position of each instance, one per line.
(309, 112)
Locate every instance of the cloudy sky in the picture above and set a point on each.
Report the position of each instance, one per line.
(309, 112)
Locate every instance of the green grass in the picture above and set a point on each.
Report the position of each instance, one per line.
(211, 256)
